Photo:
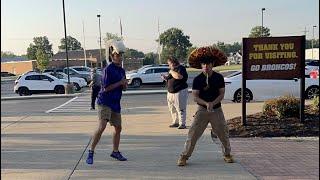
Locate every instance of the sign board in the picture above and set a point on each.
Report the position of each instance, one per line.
(273, 57)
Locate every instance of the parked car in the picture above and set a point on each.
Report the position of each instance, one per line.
(81, 69)
(264, 89)
(147, 75)
(77, 82)
(81, 74)
(6, 74)
(53, 70)
(311, 65)
(34, 82)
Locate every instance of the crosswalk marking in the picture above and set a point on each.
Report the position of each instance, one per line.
(77, 104)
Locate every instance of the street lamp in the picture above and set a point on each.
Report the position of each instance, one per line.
(100, 40)
(66, 42)
(69, 86)
(312, 40)
(263, 9)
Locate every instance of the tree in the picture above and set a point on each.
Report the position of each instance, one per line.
(7, 54)
(42, 59)
(174, 43)
(73, 44)
(150, 58)
(309, 43)
(259, 32)
(228, 48)
(112, 36)
(132, 53)
(41, 43)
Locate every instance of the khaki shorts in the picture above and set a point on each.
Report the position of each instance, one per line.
(106, 114)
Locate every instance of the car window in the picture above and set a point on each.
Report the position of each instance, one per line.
(59, 76)
(313, 63)
(149, 71)
(161, 70)
(233, 74)
(44, 77)
(33, 77)
(82, 69)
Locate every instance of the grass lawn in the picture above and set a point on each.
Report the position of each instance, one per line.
(219, 68)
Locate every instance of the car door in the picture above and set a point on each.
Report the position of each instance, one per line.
(147, 75)
(46, 83)
(158, 72)
(31, 82)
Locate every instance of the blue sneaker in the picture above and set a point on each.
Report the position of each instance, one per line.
(90, 157)
(118, 156)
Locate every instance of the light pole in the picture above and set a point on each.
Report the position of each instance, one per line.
(312, 40)
(100, 40)
(68, 88)
(263, 9)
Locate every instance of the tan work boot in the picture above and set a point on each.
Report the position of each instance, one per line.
(182, 161)
(228, 159)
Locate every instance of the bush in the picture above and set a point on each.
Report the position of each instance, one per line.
(315, 104)
(282, 107)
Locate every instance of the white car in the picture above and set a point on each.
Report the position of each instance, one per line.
(77, 82)
(34, 82)
(264, 89)
(147, 75)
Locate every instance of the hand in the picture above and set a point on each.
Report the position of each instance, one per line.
(171, 71)
(209, 106)
(163, 77)
(124, 82)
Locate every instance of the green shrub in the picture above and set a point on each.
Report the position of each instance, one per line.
(315, 104)
(282, 107)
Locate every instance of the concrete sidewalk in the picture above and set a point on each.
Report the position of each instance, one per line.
(55, 146)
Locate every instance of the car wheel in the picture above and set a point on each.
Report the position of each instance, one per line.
(312, 92)
(59, 90)
(136, 82)
(237, 96)
(77, 87)
(24, 91)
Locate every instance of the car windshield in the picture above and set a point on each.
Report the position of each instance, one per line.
(233, 74)
(82, 69)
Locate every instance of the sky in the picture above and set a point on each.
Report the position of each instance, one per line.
(205, 21)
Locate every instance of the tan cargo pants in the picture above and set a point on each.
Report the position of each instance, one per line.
(200, 123)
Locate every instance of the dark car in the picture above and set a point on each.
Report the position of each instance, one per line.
(6, 74)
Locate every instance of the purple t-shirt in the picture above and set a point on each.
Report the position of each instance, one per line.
(110, 75)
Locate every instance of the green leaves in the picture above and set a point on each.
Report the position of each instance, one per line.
(174, 43)
(42, 59)
(258, 31)
(73, 44)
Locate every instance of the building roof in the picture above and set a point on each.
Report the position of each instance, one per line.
(78, 54)
(13, 59)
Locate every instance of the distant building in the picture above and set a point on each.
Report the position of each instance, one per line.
(76, 58)
(315, 53)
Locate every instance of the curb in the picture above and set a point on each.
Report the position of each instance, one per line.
(40, 97)
(135, 92)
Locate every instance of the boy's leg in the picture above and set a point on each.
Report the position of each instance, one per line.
(116, 123)
(220, 128)
(196, 130)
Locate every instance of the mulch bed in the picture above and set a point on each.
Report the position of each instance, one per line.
(259, 125)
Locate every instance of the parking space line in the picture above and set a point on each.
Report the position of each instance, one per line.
(62, 105)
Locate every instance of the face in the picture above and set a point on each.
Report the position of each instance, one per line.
(117, 58)
(170, 64)
(207, 67)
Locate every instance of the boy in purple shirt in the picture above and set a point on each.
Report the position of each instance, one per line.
(113, 82)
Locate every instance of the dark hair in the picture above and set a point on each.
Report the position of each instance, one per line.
(207, 60)
(110, 54)
(173, 60)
